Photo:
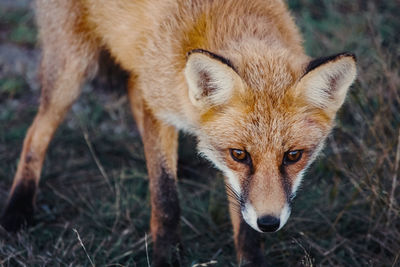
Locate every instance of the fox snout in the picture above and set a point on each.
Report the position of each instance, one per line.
(265, 222)
(268, 223)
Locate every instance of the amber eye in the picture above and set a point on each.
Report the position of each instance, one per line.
(292, 156)
(239, 155)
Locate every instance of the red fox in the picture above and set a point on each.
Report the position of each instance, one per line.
(233, 74)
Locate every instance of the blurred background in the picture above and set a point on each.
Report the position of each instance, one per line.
(94, 178)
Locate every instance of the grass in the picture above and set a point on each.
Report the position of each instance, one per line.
(347, 213)
(17, 26)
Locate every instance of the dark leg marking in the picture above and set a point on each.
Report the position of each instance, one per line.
(249, 245)
(19, 209)
(165, 202)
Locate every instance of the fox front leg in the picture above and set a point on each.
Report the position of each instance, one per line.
(160, 147)
(247, 240)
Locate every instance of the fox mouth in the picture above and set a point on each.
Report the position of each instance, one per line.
(262, 223)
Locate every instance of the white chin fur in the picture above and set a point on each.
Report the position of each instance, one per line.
(233, 180)
(297, 182)
(250, 216)
(209, 154)
(285, 213)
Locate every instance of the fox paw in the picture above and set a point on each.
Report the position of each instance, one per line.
(19, 209)
(14, 220)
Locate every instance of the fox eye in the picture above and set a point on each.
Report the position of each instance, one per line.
(239, 155)
(292, 156)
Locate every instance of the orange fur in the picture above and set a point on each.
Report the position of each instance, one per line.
(232, 73)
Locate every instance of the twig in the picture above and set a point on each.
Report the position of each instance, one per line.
(11, 256)
(147, 252)
(96, 159)
(61, 195)
(326, 253)
(190, 225)
(117, 201)
(395, 260)
(59, 240)
(394, 180)
(205, 263)
(133, 249)
(216, 254)
(307, 256)
(83, 246)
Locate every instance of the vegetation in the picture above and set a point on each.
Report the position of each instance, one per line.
(93, 205)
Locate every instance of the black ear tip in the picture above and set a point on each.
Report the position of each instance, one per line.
(322, 60)
(213, 56)
(194, 51)
(348, 54)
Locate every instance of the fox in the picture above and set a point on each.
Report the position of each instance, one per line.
(233, 74)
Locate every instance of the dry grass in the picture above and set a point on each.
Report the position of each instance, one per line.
(94, 179)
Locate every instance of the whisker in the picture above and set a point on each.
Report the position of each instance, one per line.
(234, 198)
(235, 207)
(232, 190)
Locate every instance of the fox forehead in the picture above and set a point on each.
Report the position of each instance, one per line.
(266, 115)
(259, 123)
(269, 70)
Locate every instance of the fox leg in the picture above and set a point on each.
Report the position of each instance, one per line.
(66, 61)
(160, 147)
(247, 240)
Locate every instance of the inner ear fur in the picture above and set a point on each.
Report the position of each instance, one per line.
(327, 80)
(211, 78)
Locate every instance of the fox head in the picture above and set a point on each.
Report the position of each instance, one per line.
(262, 124)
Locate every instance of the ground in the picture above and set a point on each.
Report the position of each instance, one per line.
(93, 205)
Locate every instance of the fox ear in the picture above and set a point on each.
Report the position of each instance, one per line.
(327, 80)
(211, 79)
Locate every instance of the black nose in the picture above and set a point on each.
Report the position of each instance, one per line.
(268, 223)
